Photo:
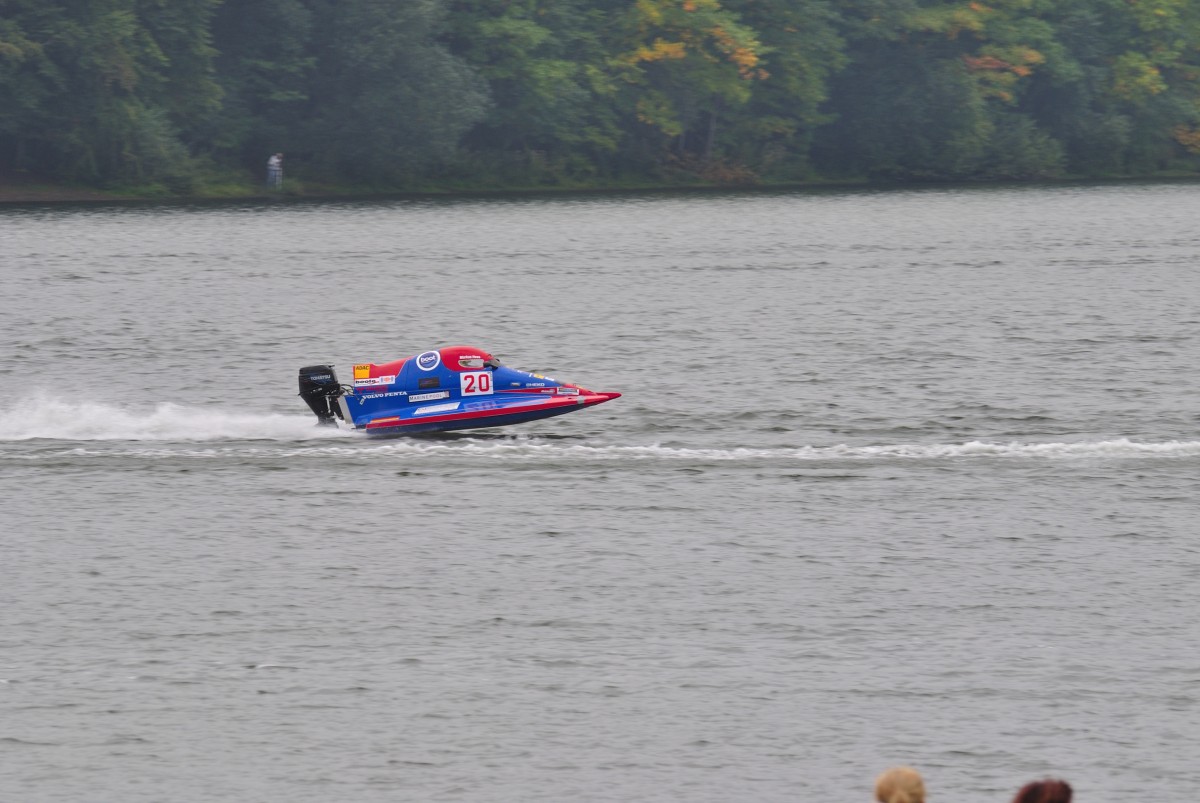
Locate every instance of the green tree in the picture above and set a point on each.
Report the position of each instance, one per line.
(27, 84)
(1124, 89)
(935, 90)
(388, 101)
(265, 66)
(803, 48)
(178, 55)
(545, 65)
(99, 90)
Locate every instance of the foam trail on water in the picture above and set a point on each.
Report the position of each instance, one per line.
(534, 450)
(43, 417)
(976, 449)
(1121, 447)
(55, 419)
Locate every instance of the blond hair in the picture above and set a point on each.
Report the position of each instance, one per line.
(900, 785)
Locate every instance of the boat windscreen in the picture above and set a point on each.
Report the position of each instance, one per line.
(478, 362)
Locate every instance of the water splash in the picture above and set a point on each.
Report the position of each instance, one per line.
(42, 417)
(175, 427)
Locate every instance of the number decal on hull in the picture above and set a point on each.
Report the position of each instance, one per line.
(476, 383)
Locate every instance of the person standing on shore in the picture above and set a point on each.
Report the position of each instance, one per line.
(275, 171)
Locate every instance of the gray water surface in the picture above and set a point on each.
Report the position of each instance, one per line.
(897, 477)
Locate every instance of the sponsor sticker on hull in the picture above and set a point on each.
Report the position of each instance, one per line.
(394, 393)
(429, 360)
(420, 397)
(436, 408)
(374, 381)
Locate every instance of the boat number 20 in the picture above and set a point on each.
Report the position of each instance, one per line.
(476, 383)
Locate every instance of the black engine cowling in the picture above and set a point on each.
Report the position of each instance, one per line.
(320, 390)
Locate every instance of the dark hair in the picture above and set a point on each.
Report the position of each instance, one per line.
(1047, 791)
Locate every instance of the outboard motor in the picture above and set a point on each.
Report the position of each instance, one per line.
(320, 390)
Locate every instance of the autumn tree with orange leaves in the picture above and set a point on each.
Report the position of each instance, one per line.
(690, 61)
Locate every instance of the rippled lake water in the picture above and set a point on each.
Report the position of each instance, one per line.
(897, 477)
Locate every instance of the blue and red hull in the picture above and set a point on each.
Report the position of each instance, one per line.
(454, 388)
(500, 416)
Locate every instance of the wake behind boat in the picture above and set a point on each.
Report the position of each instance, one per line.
(458, 387)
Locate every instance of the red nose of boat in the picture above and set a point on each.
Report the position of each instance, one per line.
(591, 397)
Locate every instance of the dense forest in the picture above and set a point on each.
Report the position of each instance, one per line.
(472, 93)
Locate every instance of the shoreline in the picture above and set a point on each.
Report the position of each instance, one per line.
(45, 193)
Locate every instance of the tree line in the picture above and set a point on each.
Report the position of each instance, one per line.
(523, 92)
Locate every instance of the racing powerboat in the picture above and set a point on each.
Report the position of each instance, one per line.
(458, 387)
